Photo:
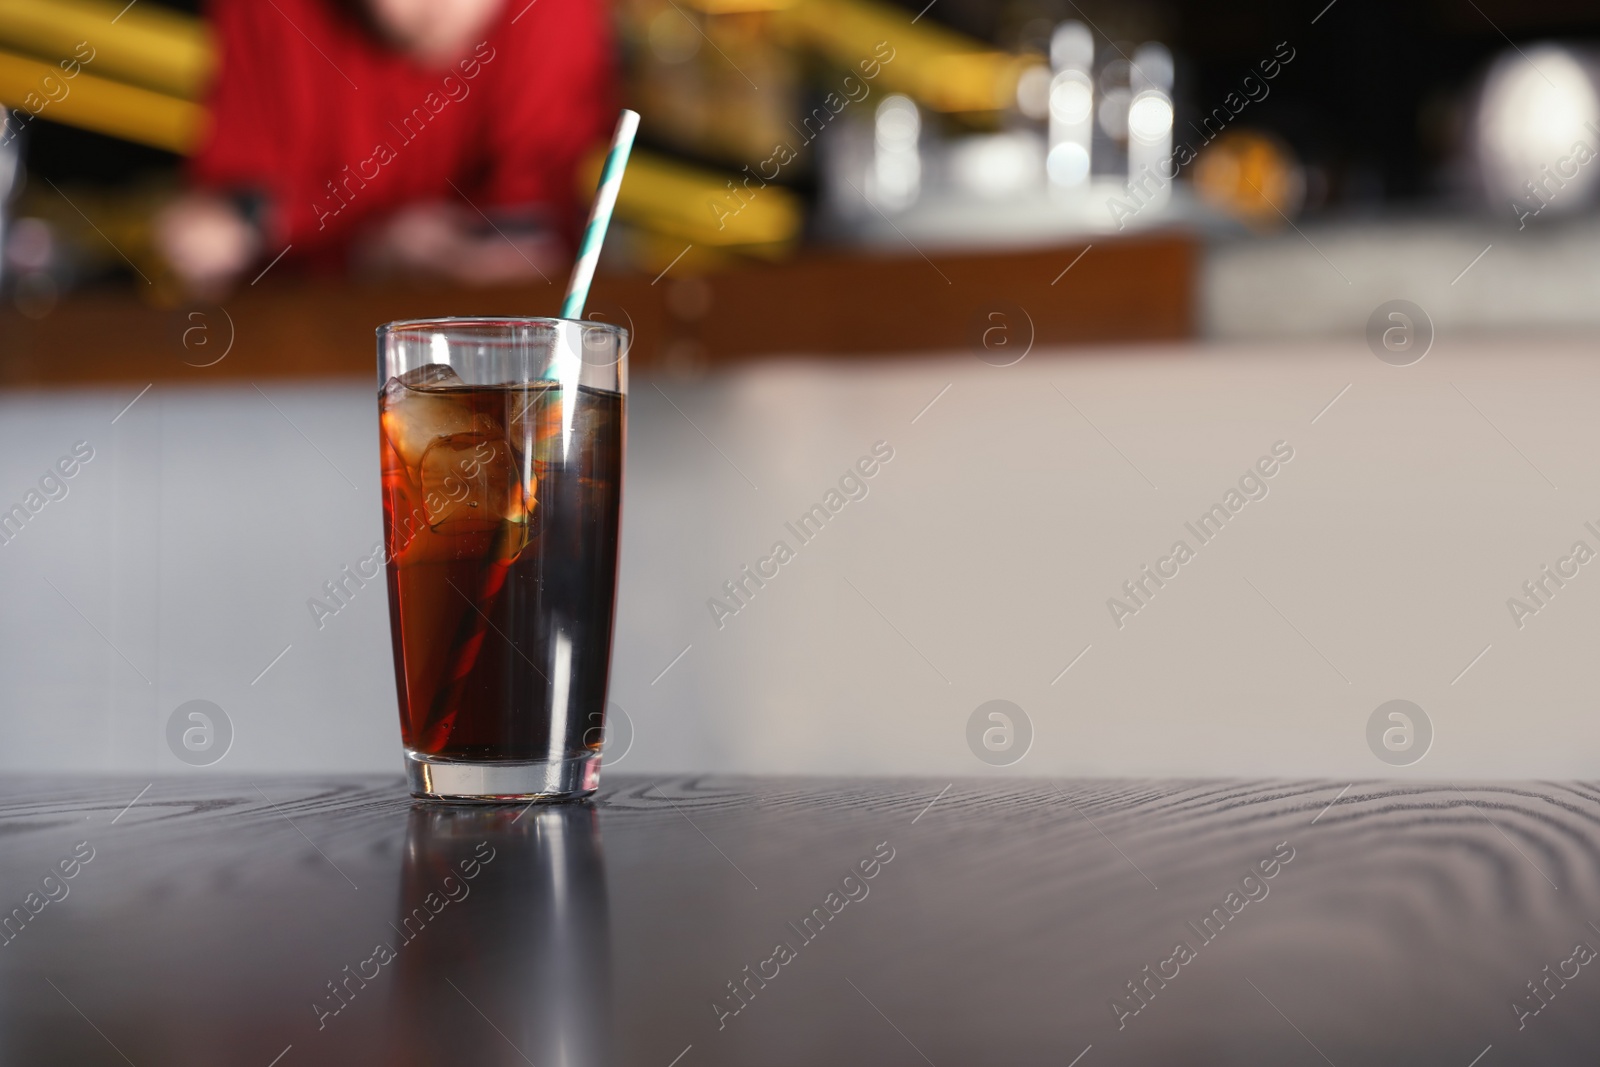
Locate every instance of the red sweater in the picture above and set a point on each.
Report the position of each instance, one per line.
(338, 130)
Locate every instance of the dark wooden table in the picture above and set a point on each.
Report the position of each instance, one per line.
(701, 921)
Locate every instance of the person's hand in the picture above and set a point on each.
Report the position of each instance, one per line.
(443, 240)
(207, 241)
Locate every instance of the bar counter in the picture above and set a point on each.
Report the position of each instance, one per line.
(821, 304)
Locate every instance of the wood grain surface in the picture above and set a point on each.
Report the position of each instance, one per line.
(1002, 923)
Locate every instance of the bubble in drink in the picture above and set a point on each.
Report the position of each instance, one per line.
(500, 513)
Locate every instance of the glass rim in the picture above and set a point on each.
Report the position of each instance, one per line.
(404, 326)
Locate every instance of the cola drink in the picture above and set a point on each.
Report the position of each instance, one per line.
(500, 508)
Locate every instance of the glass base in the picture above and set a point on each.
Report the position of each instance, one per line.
(499, 782)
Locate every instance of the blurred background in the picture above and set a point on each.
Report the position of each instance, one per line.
(1080, 265)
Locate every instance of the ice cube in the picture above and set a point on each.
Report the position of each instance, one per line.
(402, 502)
(471, 484)
(535, 421)
(539, 430)
(423, 405)
(429, 375)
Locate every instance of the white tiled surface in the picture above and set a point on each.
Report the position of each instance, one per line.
(989, 544)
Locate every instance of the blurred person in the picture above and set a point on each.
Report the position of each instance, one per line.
(388, 134)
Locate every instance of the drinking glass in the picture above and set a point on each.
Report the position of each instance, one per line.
(502, 443)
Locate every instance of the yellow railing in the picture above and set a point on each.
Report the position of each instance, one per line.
(141, 44)
(696, 205)
(94, 103)
(941, 69)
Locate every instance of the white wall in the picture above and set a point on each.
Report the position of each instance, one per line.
(990, 545)
(1467, 274)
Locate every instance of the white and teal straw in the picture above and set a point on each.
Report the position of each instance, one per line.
(605, 200)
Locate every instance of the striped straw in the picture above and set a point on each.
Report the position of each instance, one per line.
(594, 234)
